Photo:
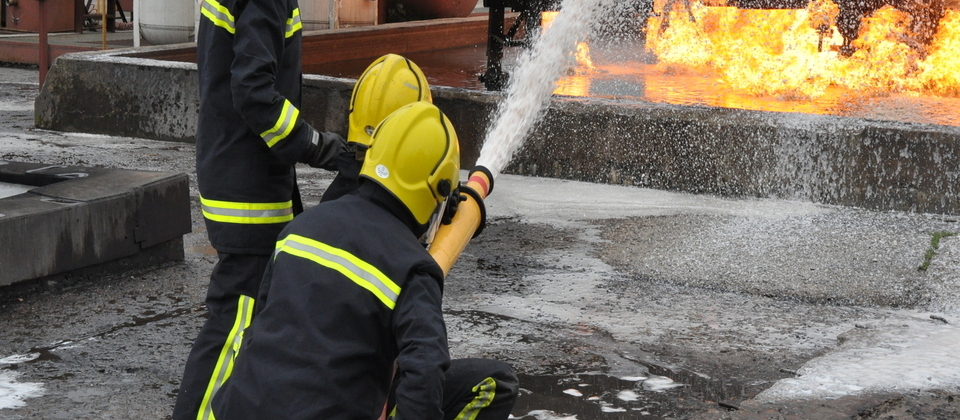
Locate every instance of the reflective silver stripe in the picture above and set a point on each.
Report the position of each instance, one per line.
(227, 355)
(294, 24)
(284, 125)
(219, 15)
(247, 213)
(486, 390)
(357, 270)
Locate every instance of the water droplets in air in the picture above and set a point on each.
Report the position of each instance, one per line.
(532, 82)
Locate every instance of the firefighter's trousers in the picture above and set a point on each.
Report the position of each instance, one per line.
(234, 284)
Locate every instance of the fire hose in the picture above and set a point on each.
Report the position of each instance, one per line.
(467, 223)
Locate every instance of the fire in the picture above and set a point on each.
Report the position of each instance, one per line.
(572, 86)
(792, 53)
(547, 18)
(940, 72)
(583, 50)
(583, 57)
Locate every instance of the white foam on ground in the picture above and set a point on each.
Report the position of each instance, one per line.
(900, 351)
(13, 393)
(545, 415)
(906, 352)
(19, 358)
(659, 383)
(904, 356)
(628, 395)
(564, 203)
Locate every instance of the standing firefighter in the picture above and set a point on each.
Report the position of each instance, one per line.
(387, 84)
(351, 301)
(249, 137)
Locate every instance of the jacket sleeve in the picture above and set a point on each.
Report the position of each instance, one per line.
(423, 355)
(258, 47)
(264, 290)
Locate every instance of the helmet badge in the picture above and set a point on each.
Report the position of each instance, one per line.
(383, 172)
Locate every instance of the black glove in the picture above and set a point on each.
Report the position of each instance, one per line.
(323, 150)
(452, 203)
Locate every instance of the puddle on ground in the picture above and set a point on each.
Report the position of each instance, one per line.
(598, 396)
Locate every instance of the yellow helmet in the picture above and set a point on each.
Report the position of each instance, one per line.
(389, 83)
(416, 156)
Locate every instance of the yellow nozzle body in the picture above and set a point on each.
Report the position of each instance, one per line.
(451, 239)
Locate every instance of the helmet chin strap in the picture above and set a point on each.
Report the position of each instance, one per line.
(434, 224)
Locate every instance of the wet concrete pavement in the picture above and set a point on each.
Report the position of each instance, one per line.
(610, 302)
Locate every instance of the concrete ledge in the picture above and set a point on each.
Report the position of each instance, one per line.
(114, 93)
(108, 93)
(77, 217)
(834, 160)
(730, 152)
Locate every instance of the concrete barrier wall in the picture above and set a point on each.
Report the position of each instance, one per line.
(108, 93)
(729, 152)
(115, 94)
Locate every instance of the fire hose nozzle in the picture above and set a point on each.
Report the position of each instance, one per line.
(482, 179)
(467, 223)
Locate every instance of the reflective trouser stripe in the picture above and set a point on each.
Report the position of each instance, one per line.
(294, 24)
(285, 123)
(485, 390)
(219, 15)
(246, 213)
(227, 356)
(360, 272)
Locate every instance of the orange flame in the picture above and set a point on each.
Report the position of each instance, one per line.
(583, 57)
(578, 86)
(775, 52)
(547, 18)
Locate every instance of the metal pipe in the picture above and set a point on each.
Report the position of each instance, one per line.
(467, 223)
(493, 78)
(103, 21)
(44, 60)
(136, 23)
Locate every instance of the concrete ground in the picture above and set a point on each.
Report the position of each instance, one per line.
(610, 302)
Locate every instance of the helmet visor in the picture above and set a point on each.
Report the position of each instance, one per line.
(434, 224)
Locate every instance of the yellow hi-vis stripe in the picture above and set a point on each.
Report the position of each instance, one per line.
(227, 355)
(219, 15)
(246, 213)
(355, 269)
(485, 390)
(284, 125)
(294, 24)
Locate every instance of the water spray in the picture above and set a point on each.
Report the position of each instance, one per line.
(532, 83)
(528, 92)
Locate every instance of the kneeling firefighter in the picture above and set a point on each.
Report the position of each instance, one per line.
(350, 307)
(388, 83)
